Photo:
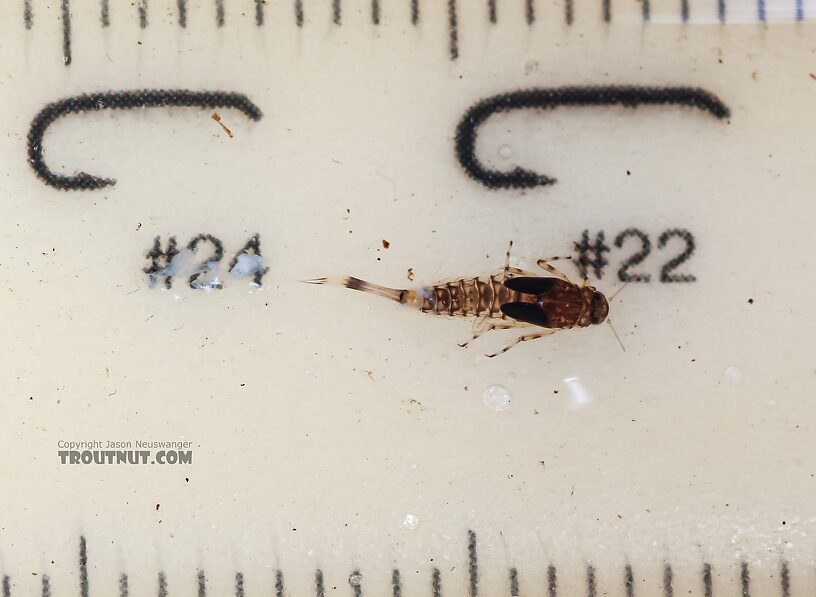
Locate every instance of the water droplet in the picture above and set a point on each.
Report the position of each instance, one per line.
(496, 398)
(356, 578)
(732, 376)
(579, 395)
(411, 522)
(506, 152)
(247, 265)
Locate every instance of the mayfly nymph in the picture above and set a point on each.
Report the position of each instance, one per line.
(512, 298)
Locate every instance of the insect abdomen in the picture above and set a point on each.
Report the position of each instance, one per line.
(466, 297)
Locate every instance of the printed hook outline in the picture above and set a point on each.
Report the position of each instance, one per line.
(119, 100)
(553, 97)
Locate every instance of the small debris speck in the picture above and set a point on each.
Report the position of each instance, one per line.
(217, 118)
(750, 301)
(385, 244)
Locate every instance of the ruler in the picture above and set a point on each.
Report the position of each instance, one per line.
(182, 415)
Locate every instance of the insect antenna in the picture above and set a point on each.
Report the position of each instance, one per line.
(609, 321)
(617, 292)
(614, 331)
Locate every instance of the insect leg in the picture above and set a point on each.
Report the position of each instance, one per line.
(545, 264)
(490, 328)
(519, 272)
(507, 258)
(524, 338)
(514, 270)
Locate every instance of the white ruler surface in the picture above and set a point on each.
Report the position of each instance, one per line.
(181, 415)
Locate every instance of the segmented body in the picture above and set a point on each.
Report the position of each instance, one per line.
(509, 299)
(466, 297)
(545, 301)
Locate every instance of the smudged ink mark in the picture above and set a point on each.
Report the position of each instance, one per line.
(668, 576)
(629, 581)
(143, 14)
(83, 567)
(784, 579)
(279, 592)
(396, 583)
(319, 588)
(28, 16)
(119, 100)
(299, 13)
(239, 584)
(514, 582)
(592, 590)
(453, 31)
(707, 580)
(219, 13)
(549, 98)
(66, 32)
(162, 584)
(356, 583)
(473, 566)
(160, 260)
(552, 581)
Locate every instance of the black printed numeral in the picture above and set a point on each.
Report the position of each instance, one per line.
(249, 262)
(168, 262)
(591, 253)
(645, 248)
(665, 275)
(207, 266)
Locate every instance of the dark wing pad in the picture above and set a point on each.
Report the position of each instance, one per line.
(531, 285)
(526, 312)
